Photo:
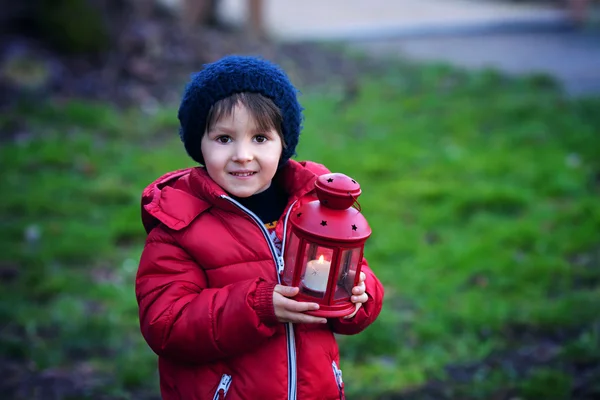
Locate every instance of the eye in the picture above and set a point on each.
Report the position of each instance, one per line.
(261, 138)
(223, 139)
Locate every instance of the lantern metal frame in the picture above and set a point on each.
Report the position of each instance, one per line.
(329, 307)
(333, 205)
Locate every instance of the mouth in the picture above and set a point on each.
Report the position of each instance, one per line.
(242, 174)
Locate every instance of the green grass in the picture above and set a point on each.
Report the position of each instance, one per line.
(482, 194)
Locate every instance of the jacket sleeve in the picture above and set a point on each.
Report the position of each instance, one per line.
(369, 311)
(182, 319)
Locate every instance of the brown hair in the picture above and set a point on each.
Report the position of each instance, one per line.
(264, 111)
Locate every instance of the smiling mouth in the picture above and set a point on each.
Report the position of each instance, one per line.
(242, 174)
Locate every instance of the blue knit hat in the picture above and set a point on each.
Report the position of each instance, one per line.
(236, 74)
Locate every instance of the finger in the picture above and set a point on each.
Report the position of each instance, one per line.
(290, 305)
(300, 318)
(363, 298)
(287, 291)
(358, 306)
(298, 306)
(360, 289)
(363, 277)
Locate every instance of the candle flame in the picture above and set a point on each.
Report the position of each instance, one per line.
(321, 260)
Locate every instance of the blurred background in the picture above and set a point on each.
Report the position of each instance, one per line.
(472, 126)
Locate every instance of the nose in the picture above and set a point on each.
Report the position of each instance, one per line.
(242, 153)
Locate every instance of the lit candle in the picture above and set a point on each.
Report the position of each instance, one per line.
(317, 274)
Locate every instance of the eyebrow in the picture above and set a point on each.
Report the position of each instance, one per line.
(221, 129)
(255, 131)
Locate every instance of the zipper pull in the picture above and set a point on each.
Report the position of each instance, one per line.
(223, 387)
(338, 376)
(280, 265)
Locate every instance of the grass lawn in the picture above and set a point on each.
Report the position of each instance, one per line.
(482, 193)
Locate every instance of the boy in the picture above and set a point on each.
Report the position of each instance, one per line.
(207, 286)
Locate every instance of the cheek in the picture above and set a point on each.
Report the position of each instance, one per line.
(273, 159)
(277, 151)
(213, 159)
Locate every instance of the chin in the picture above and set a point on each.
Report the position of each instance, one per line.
(242, 192)
(241, 195)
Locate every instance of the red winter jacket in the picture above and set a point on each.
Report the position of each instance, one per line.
(205, 294)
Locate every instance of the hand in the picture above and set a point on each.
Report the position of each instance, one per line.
(359, 295)
(288, 310)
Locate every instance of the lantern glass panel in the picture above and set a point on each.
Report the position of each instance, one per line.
(291, 255)
(316, 263)
(349, 263)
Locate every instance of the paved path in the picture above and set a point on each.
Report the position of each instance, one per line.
(360, 19)
(516, 38)
(571, 57)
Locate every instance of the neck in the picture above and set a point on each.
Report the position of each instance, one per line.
(268, 204)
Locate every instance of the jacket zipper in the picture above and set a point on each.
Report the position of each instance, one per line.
(223, 387)
(289, 328)
(337, 373)
(285, 224)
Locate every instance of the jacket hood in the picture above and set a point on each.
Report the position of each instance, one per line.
(177, 198)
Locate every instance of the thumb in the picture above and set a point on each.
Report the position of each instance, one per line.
(286, 291)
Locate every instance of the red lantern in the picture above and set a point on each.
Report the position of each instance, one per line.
(324, 249)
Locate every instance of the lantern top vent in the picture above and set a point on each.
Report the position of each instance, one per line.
(337, 191)
(332, 218)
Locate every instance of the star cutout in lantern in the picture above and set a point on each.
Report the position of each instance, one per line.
(298, 215)
(323, 223)
(330, 180)
(354, 227)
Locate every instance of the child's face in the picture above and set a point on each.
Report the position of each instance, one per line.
(239, 157)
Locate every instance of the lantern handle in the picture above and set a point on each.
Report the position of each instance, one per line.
(356, 204)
